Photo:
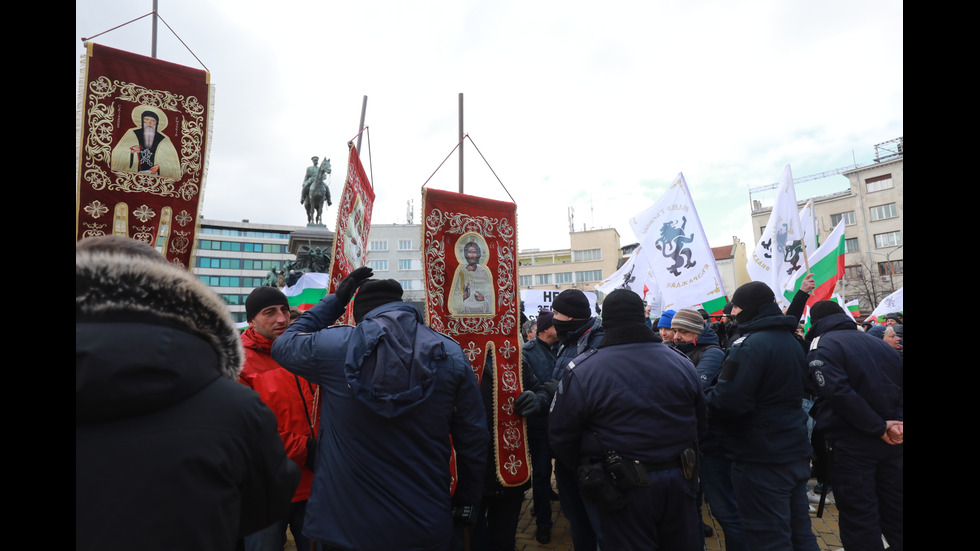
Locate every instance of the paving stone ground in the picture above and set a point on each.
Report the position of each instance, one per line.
(825, 528)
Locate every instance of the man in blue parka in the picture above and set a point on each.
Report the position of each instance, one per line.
(394, 392)
(859, 382)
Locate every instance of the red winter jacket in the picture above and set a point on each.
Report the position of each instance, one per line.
(277, 388)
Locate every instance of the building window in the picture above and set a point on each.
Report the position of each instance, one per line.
(409, 264)
(851, 245)
(890, 239)
(564, 277)
(893, 267)
(588, 275)
(881, 212)
(404, 244)
(587, 255)
(542, 279)
(410, 284)
(524, 280)
(378, 265)
(879, 183)
(378, 246)
(848, 218)
(853, 272)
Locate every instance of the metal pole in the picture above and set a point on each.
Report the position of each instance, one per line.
(361, 127)
(153, 47)
(461, 142)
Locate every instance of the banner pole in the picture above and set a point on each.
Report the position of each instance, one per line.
(361, 127)
(153, 46)
(461, 142)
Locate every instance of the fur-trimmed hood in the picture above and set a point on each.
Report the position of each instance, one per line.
(147, 334)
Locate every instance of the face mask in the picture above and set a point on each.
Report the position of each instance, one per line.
(565, 328)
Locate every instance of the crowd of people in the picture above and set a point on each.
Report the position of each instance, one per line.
(376, 436)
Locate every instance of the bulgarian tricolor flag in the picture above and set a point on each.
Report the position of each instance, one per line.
(826, 265)
(307, 291)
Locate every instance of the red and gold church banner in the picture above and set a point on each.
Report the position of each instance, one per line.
(144, 133)
(469, 249)
(353, 225)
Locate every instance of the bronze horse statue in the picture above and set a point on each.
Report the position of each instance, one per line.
(314, 202)
(316, 191)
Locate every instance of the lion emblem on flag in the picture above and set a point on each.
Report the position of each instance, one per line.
(672, 243)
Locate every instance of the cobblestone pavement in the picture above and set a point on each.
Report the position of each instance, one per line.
(825, 528)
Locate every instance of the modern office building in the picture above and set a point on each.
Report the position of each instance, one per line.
(872, 207)
(593, 255)
(394, 251)
(233, 258)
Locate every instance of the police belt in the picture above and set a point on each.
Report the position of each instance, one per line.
(662, 466)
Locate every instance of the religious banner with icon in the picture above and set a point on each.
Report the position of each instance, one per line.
(143, 138)
(469, 250)
(353, 226)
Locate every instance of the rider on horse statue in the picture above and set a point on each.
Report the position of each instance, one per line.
(315, 190)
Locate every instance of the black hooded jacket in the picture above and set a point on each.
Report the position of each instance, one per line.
(170, 451)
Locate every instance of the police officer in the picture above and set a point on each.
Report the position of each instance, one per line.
(859, 405)
(636, 406)
(756, 406)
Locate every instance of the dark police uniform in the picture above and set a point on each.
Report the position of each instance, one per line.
(859, 383)
(643, 401)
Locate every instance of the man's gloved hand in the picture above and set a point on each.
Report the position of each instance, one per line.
(550, 387)
(529, 403)
(350, 284)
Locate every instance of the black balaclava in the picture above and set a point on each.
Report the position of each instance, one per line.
(750, 298)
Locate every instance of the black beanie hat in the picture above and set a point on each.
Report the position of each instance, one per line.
(573, 303)
(623, 307)
(750, 298)
(545, 319)
(261, 298)
(824, 308)
(373, 293)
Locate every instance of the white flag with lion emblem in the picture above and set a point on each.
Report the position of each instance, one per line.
(681, 261)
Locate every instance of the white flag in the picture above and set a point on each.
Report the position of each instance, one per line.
(779, 253)
(633, 275)
(808, 227)
(891, 303)
(677, 249)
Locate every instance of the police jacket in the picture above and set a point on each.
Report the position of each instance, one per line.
(757, 401)
(858, 379)
(393, 394)
(639, 399)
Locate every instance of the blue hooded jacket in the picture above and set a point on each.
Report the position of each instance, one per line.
(394, 392)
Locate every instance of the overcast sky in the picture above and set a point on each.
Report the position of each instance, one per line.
(593, 106)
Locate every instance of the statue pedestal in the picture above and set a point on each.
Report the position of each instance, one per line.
(315, 235)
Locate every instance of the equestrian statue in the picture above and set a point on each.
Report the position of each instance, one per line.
(315, 191)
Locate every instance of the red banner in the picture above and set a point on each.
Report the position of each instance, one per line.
(353, 225)
(143, 148)
(469, 248)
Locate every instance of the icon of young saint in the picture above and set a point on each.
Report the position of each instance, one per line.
(471, 293)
